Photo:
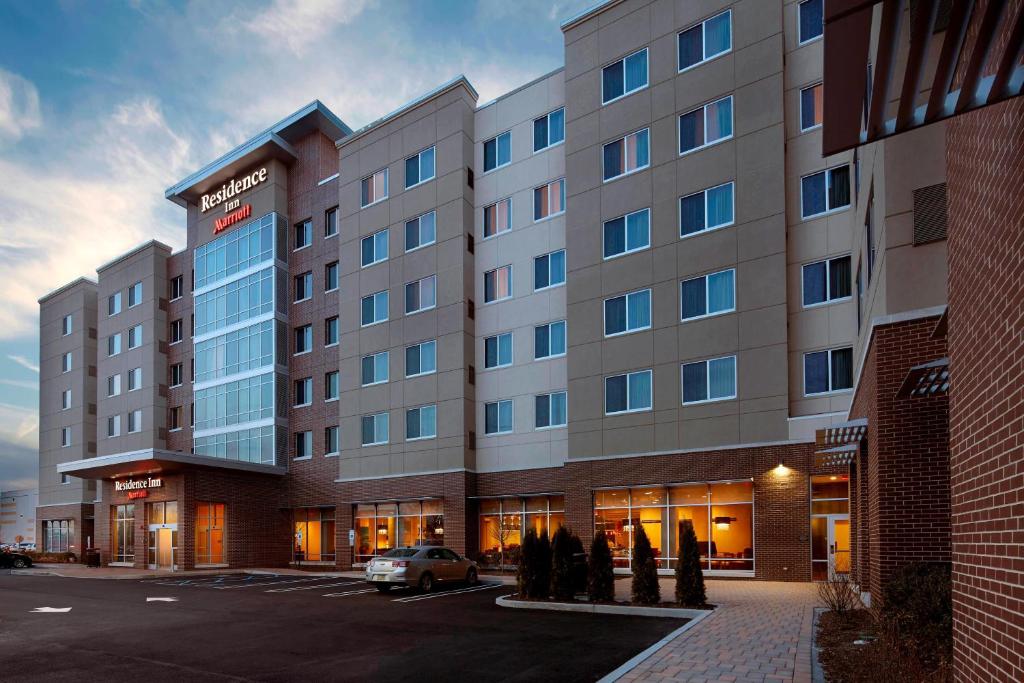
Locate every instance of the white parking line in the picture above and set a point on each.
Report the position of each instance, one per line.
(310, 588)
(48, 610)
(431, 596)
(273, 583)
(161, 599)
(346, 593)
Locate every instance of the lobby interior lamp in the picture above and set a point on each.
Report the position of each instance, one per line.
(722, 523)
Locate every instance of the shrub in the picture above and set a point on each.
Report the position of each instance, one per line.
(838, 595)
(526, 574)
(916, 613)
(690, 590)
(543, 572)
(600, 576)
(579, 564)
(645, 572)
(561, 565)
(49, 557)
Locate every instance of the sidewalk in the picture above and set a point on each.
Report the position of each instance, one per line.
(760, 632)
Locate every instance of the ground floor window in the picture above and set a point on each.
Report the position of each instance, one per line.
(58, 535)
(123, 526)
(382, 526)
(830, 526)
(722, 514)
(313, 535)
(211, 522)
(504, 522)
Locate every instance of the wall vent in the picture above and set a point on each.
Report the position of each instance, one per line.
(930, 214)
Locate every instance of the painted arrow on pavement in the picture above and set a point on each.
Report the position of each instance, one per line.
(51, 609)
(161, 599)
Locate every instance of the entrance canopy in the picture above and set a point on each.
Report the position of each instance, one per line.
(153, 461)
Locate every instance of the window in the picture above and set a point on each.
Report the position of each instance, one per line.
(374, 248)
(374, 308)
(375, 429)
(176, 331)
(114, 344)
(58, 534)
(374, 368)
(134, 379)
(331, 331)
(825, 191)
(810, 107)
(177, 287)
(331, 276)
(114, 385)
(211, 521)
(114, 303)
(65, 437)
(331, 386)
(303, 392)
(811, 20)
(497, 151)
(313, 534)
(549, 270)
(705, 125)
(66, 326)
(549, 200)
(498, 351)
(827, 371)
(65, 362)
(331, 222)
(113, 426)
(375, 188)
(303, 234)
(332, 442)
(303, 339)
(420, 231)
(303, 287)
(709, 380)
(175, 419)
(135, 337)
(135, 421)
(627, 313)
(421, 423)
(498, 417)
(707, 40)
(303, 445)
(549, 130)
(421, 359)
(550, 410)
(497, 218)
(421, 295)
(65, 399)
(627, 393)
(419, 168)
(498, 284)
(631, 153)
(626, 234)
(706, 210)
(549, 340)
(135, 294)
(503, 523)
(123, 527)
(826, 281)
(176, 375)
(708, 295)
(624, 77)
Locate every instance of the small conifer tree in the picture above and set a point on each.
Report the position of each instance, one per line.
(689, 577)
(645, 571)
(600, 575)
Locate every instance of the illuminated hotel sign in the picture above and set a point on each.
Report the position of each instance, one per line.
(232, 218)
(230, 189)
(138, 488)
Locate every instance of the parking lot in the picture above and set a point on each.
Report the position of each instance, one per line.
(288, 627)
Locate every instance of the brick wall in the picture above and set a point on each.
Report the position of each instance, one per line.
(903, 500)
(985, 176)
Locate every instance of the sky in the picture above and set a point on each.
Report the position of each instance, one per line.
(104, 105)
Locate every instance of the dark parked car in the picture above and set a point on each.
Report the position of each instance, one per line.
(14, 559)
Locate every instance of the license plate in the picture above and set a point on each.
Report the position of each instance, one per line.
(378, 577)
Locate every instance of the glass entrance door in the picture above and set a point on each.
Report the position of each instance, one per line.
(838, 545)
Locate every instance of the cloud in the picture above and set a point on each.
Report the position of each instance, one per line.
(19, 426)
(19, 467)
(24, 362)
(65, 216)
(303, 24)
(20, 384)
(19, 106)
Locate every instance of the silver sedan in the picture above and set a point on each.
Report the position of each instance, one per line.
(420, 567)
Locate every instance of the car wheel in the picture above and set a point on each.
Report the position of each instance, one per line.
(383, 587)
(19, 563)
(426, 583)
(471, 577)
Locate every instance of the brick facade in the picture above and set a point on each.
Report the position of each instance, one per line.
(985, 169)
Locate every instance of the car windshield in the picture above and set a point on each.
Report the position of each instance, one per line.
(400, 552)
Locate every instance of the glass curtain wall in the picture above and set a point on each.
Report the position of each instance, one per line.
(123, 527)
(504, 522)
(382, 526)
(722, 515)
(313, 535)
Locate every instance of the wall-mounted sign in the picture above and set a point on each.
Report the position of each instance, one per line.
(139, 486)
(232, 218)
(231, 188)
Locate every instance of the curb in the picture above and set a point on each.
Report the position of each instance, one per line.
(665, 612)
(636, 660)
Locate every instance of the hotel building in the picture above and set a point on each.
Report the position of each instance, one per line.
(622, 294)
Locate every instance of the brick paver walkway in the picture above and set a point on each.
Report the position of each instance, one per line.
(760, 632)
